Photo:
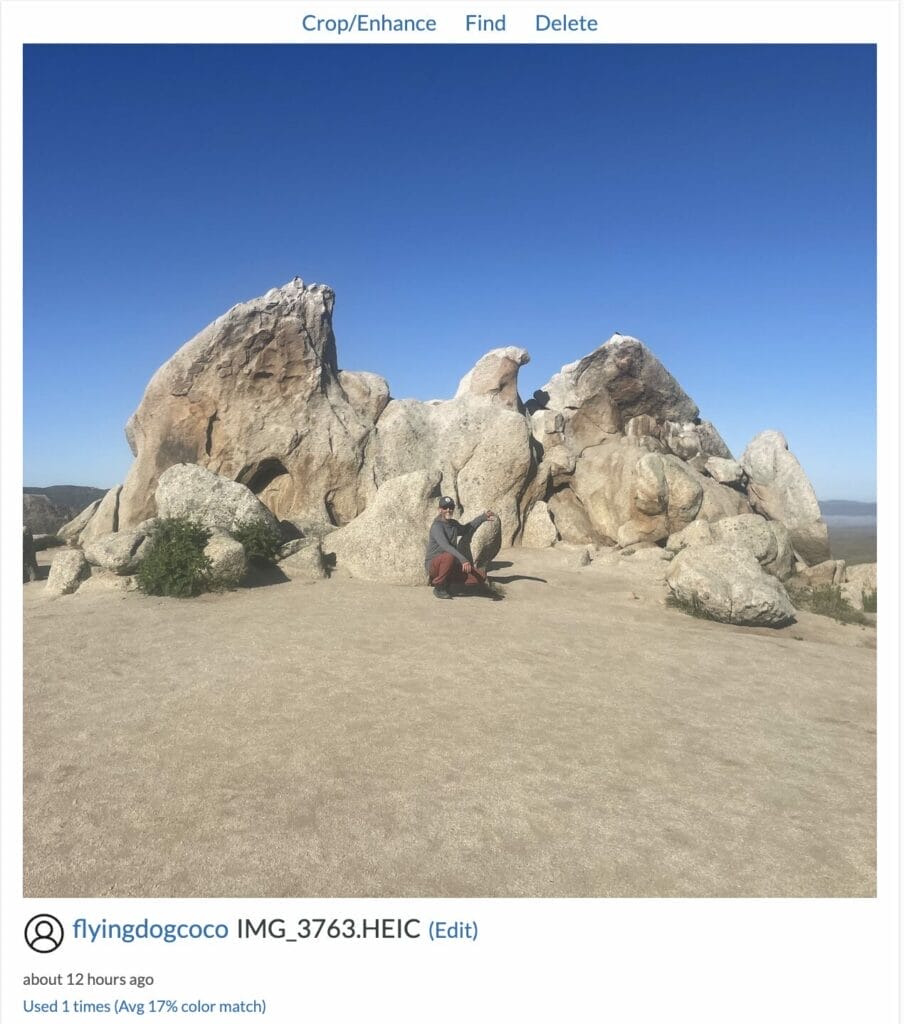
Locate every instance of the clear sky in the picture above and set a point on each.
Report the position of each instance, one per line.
(717, 202)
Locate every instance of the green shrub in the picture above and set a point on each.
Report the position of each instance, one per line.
(259, 540)
(830, 601)
(175, 564)
(869, 600)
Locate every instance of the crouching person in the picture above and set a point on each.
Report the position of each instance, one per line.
(446, 562)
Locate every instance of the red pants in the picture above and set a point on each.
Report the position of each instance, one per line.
(445, 569)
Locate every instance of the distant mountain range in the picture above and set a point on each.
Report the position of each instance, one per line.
(847, 508)
(68, 494)
(46, 509)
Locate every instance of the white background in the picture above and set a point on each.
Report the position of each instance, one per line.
(564, 960)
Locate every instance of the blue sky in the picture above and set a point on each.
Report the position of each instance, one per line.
(717, 202)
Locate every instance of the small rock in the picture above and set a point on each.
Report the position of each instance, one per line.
(67, 570)
(228, 561)
(305, 564)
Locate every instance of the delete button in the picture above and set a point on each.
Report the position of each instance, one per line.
(545, 23)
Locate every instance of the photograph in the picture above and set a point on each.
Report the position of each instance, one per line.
(449, 470)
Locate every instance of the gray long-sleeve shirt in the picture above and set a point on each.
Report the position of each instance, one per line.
(444, 533)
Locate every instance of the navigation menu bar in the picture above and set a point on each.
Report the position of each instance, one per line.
(472, 23)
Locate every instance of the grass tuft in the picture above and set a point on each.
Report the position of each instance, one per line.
(831, 602)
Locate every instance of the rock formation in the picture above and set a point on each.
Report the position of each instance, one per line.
(479, 441)
(257, 397)
(779, 489)
(610, 452)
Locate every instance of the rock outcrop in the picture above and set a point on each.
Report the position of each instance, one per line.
(610, 452)
(779, 489)
(258, 397)
(479, 441)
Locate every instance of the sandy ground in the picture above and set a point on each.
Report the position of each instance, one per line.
(357, 739)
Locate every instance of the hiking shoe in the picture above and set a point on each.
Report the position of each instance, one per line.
(441, 592)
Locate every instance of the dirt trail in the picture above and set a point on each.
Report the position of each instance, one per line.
(358, 739)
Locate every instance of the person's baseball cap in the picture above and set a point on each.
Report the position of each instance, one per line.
(446, 502)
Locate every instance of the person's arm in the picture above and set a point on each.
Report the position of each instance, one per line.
(438, 536)
(482, 518)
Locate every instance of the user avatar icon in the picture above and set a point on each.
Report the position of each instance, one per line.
(44, 933)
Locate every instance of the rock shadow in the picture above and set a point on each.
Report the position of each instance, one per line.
(263, 574)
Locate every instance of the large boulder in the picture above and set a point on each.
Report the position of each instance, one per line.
(105, 518)
(479, 441)
(779, 489)
(570, 517)
(727, 583)
(120, 553)
(71, 531)
(495, 376)
(767, 541)
(388, 541)
(257, 397)
(67, 570)
(539, 529)
(209, 499)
